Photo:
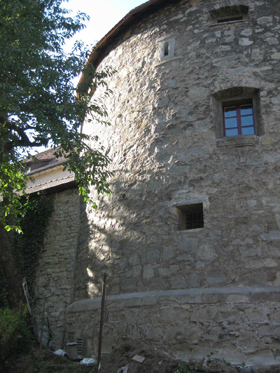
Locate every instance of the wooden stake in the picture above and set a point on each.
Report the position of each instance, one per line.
(42, 325)
(101, 322)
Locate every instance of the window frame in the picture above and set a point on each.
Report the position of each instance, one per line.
(237, 105)
(166, 48)
(235, 94)
(191, 216)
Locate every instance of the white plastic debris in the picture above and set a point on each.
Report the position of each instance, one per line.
(89, 362)
(60, 353)
(123, 369)
(138, 359)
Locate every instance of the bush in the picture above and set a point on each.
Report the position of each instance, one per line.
(14, 333)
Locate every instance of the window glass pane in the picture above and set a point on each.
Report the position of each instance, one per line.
(230, 111)
(248, 131)
(232, 132)
(246, 109)
(231, 122)
(247, 121)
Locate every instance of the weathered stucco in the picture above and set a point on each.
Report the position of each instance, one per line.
(212, 289)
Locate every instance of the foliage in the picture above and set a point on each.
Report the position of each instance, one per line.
(3, 288)
(39, 104)
(27, 246)
(184, 368)
(60, 364)
(14, 333)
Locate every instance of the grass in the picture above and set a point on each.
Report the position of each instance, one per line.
(44, 362)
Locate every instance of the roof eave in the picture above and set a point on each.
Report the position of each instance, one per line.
(100, 50)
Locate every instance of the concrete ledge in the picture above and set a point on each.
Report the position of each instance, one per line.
(238, 294)
(238, 141)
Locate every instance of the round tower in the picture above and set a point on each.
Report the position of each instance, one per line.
(189, 236)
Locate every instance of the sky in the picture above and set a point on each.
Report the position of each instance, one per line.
(104, 15)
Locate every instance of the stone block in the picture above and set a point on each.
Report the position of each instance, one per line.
(206, 252)
(168, 253)
(178, 282)
(148, 272)
(215, 278)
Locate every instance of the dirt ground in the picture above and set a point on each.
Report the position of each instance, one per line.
(121, 360)
(134, 357)
(45, 361)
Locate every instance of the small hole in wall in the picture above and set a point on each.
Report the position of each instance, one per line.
(123, 195)
(190, 216)
(166, 49)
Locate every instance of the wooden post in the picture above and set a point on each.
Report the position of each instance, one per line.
(101, 322)
(42, 325)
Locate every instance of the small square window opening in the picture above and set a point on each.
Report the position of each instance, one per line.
(238, 118)
(231, 13)
(190, 216)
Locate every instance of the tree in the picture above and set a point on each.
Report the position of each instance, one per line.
(39, 104)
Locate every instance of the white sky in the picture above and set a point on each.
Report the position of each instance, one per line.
(104, 15)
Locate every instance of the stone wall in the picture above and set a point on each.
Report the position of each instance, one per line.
(55, 277)
(168, 150)
(238, 324)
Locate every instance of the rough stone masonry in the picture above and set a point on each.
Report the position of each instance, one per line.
(190, 235)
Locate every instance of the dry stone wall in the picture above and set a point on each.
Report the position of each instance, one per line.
(56, 273)
(238, 324)
(168, 151)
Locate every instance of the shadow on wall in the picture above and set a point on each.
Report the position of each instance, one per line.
(127, 237)
(133, 236)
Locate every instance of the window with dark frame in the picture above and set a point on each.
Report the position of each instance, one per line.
(238, 118)
(190, 216)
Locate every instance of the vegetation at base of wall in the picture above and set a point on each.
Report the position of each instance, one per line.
(62, 367)
(28, 245)
(15, 336)
(185, 368)
(36, 361)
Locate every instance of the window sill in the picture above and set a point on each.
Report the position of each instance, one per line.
(187, 231)
(238, 141)
(163, 62)
(229, 22)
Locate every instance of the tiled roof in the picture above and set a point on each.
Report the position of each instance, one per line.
(43, 161)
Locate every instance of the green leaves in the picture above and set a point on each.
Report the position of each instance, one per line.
(38, 102)
(27, 246)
